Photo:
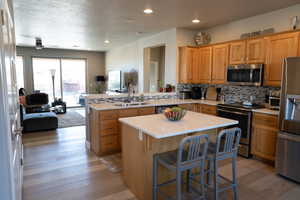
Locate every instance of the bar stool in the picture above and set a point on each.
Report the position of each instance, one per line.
(191, 154)
(226, 147)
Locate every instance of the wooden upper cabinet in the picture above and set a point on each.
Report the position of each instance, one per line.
(208, 64)
(205, 60)
(185, 74)
(220, 63)
(247, 51)
(196, 56)
(255, 52)
(279, 47)
(237, 52)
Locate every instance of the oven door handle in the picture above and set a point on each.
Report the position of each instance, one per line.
(232, 112)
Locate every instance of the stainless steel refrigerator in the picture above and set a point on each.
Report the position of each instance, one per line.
(288, 142)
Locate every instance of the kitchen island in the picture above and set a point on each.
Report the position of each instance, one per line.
(103, 128)
(144, 136)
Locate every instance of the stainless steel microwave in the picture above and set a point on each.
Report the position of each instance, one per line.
(245, 74)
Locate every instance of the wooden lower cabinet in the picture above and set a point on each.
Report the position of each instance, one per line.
(189, 107)
(146, 111)
(207, 109)
(264, 136)
(105, 128)
(110, 144)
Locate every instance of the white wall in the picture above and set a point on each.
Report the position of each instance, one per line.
(185, 37)
(167, 38)
(132, 55)
(124, 57)
(280, 20)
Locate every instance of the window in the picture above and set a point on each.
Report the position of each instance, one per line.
(69, 78)
(73, 80)
(20, 72)
(42, 79)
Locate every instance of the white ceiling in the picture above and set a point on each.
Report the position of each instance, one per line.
(87, 23)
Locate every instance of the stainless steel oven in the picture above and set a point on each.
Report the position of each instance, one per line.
(245, 74)
(243, 114)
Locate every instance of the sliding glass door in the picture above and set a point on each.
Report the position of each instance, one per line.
(42, 77)
(69, 78)
(73, 80)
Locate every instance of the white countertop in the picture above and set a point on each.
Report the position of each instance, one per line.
(114, 94)
(158, 126)
(150, 103)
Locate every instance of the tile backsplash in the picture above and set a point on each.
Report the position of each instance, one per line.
(236, 93)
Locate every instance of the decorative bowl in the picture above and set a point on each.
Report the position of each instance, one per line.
(174, 114)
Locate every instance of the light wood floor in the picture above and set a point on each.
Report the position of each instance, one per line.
(58, 167)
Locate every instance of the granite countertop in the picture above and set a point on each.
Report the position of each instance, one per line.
(150, 103)
(192, 122)
(266, 111)
(114, 94)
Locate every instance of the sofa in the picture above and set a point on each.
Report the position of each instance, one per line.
(39, 122)
(36, 116)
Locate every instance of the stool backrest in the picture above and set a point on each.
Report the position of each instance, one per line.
(228, 141)
(192, 149)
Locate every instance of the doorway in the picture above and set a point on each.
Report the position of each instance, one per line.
(154, 68)
(69, 78)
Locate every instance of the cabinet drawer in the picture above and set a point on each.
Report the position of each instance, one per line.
(109, 143)
(147, 111)
(109, 131)
(132, 112)
(208, 109)
(108, 124)
(265, 120)
(108, 114)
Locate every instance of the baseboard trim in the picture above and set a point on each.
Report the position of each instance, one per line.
(88, 145)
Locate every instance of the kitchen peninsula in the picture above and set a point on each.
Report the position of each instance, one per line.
(144, 136)
(103, 128)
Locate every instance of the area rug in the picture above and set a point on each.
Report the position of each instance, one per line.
(69, 119)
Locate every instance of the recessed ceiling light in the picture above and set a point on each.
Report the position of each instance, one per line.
(106, 41)
(196, 21)
(148, 11)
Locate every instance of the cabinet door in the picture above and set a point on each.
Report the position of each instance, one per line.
(219, 63)
(208, 109)
(185, 65)
(237, 52)
(279, 47)
(205, 65)
(264, 142)
(264, 136)
(196, 56)
(255, 51)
